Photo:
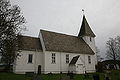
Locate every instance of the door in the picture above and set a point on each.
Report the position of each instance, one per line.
(39, 69)
(80, 69)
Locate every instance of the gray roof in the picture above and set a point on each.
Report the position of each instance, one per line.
(29, 43)
(74, 60)
(85, 29)
(64, 43)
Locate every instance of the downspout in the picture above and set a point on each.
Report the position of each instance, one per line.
(35, 60)
(84, 64)
(60, 66)
(60, 62)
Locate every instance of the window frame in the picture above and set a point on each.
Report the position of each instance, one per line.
(53, 57)
(90, 39)
(30, 58)
(89, 59)
(67, 58)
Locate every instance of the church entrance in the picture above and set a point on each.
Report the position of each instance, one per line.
(80, 69)
(39, 69)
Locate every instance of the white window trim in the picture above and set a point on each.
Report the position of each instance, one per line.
(67, 58)
(29, 58)
(89, 59)
(53, 56)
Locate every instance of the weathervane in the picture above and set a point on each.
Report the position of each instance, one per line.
(83, 11)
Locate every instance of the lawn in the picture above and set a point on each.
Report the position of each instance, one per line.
(12, 76)
(114, 75)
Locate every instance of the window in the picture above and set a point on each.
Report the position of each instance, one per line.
(90, 39)
(67, 58)
(30, 56)
(89, 59)
(53, 58)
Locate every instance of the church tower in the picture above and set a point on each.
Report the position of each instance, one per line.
(87, 34)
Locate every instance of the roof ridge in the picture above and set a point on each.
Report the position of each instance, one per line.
(58, 33)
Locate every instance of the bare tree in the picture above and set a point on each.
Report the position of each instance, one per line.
(99, 58)
(11, 24)
(118, 46)
(113, 48)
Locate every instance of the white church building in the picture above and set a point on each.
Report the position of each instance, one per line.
(55, 52)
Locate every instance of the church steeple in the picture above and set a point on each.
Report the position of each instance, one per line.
(85, 29)
(87, 34)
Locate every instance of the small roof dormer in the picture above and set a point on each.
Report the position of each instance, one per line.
(85, 29)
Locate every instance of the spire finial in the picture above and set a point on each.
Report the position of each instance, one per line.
(83, 11)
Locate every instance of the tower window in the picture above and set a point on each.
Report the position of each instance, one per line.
(90, 39)
(53, 58)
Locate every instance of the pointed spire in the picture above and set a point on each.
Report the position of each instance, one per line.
(85, 29)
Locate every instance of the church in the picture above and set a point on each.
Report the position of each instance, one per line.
(53, 52)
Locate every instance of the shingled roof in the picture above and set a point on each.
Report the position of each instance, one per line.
(64, 43)
(85, 29)
(29, 43)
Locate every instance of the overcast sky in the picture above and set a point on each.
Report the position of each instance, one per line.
(65, 16)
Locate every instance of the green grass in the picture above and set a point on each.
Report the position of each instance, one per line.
(115, 75)
(53, 77)
(11, 76)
